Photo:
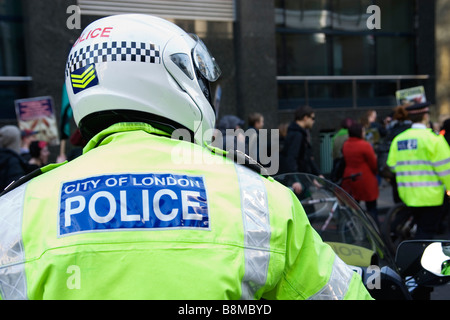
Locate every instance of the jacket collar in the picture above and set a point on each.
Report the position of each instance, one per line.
(418, 126)
(121, 127)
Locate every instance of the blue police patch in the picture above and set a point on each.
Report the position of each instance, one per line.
(410, 144)
(83, 78)
(133, 201)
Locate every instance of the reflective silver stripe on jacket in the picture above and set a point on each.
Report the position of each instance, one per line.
(423, 162)
(420, 184)
(441, 162)
(416, 173)
(255, 216)
(338, 284)
(13, 284)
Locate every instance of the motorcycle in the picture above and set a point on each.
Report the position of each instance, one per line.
(417, 267)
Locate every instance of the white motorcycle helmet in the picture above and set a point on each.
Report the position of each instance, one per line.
(137, 67)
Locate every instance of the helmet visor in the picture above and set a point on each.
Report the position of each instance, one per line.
(204, 61)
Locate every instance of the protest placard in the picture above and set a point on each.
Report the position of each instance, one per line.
(37, 114)
(411, 95)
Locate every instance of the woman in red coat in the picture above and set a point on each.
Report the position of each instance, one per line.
(360, 158)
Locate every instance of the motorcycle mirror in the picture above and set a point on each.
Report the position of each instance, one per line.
(436, 260)
(424, 260)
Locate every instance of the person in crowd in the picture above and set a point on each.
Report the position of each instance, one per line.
(375, 135)
(445, 130)
(340, 137)
(230, 135)
(420, 160)
(434, 125)
(282, 133)
(129, 221)
(297, 151)
(27, 136)
(361, 165)
(78, 143)
(338, 140)
(255, 121)
(255, 124)
(399, 123)
(375, 130)
(39, 154)
(12, 165)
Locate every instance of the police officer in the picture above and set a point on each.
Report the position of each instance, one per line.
(143, 216)
(420, 160)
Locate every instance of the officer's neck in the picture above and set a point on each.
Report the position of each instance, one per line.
(422, 124)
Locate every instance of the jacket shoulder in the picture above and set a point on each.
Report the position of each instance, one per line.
(28, 177)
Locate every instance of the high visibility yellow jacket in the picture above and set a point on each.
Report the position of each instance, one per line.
(142, 216)
(421, 162)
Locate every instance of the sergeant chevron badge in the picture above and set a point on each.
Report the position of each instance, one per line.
(83, 78)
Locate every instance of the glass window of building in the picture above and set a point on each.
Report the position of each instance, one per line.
(12, 57)
(331, 39)
(11, 39)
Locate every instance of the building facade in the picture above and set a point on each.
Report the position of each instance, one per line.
(334, 55)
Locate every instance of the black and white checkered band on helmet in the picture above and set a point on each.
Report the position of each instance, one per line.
(113, 51)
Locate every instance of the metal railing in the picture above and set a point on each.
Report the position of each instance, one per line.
(15, 79)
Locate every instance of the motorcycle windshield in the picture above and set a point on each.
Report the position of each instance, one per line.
(340, 221)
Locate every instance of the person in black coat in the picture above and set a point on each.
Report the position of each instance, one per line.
(297, 153)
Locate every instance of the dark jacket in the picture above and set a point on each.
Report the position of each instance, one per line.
(297, 153)
(12, 167)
